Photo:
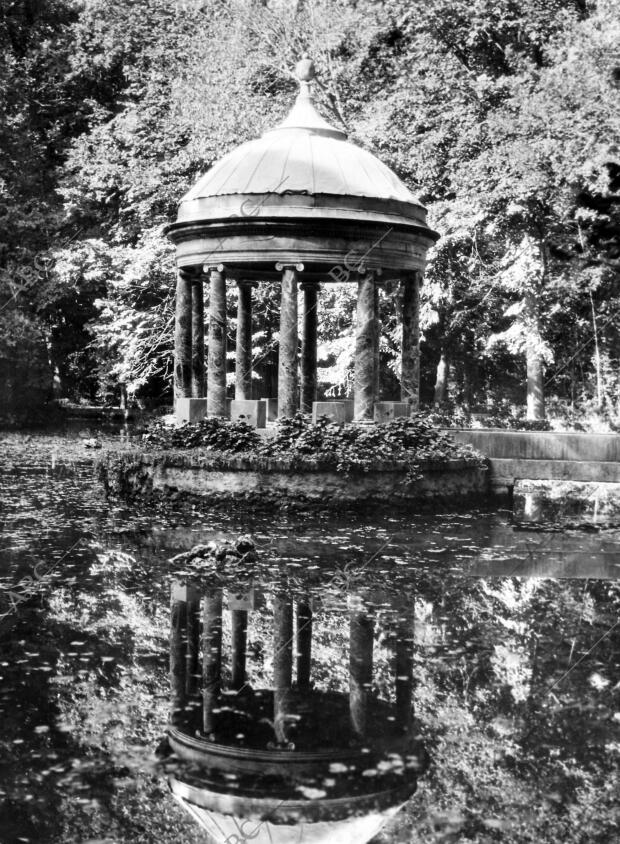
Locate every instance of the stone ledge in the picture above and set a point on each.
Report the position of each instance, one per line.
(216, 476)
(207, 459)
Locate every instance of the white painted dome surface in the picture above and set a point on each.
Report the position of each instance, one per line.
(304, 155)
(300, 161)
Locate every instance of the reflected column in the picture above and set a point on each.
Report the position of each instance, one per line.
(212, 657)
(178, 649)
(239, 622)
(403, 669)
(192, 668)
(304, 645)
(282, 664)
(361, 633)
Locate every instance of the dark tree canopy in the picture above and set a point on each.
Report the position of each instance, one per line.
(502, 115)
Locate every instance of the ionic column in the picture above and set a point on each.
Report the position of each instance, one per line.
(287, 354)
(361, 630)
(239, 622)
(198, 339)
(410, 349)
(183, 336)
(308, 345)
(216, 371)
(304, 645)
(211, 657)
(243, 366)
(365, 337)
(376, 343)
(282, 664)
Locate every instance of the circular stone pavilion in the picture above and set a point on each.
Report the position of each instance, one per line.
(304, 206)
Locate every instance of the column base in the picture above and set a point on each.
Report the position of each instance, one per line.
(254, 412)
(349, 409)
(335, 410)
(271, 409)
(385, 411)
(190, 410)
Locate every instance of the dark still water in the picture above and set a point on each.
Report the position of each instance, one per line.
(303, 677)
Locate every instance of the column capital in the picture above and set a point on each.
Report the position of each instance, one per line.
(298, 266)
(188, 273)
(246, 282)
(407, 275)
(310, 285)
(362, 271)
(208, 268)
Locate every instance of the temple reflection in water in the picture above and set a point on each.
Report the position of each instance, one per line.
(291, 733)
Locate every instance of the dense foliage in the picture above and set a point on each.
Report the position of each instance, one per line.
(213, 433)
(503, 116)
(356, 447)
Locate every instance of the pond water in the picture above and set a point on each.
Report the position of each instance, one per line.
(464, 666)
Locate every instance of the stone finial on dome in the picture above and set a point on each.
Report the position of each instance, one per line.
(304, 115)
(305, 69)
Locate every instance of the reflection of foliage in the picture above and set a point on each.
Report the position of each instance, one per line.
(91, 653)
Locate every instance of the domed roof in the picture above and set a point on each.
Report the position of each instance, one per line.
(304, 156)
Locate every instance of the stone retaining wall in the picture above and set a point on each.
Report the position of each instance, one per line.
(542, 455)
(132, 472)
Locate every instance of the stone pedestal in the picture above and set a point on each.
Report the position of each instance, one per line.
(385, 411)
(335, 410)
(271, 409)
(190, 410)
(254, 412)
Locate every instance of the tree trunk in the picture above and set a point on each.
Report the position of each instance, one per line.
(183, 337)
(534, 359)
(410, 342)
(441, 381)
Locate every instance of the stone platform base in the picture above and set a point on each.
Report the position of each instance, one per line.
(190, 410)
(214, 478)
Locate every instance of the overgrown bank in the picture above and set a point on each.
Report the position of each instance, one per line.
(405, 459)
